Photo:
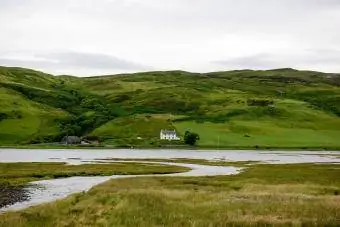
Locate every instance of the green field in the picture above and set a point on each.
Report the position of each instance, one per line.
(282, 108)
(262, 195)
(260, 134)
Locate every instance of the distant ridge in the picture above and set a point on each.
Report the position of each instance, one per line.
(242, 108)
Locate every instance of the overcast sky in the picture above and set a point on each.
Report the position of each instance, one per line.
(92, 37)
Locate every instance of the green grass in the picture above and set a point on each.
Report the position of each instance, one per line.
(254, 134)
(262, 195)
(27, 76)
(144, 126)
(21, 173)
(25, 118)
(142, 130)
(304, 114)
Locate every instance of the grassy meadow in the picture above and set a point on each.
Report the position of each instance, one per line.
(260, 135)
(262, 195)
(283, 108)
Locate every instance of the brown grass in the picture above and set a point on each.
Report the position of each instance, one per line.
(252, 198)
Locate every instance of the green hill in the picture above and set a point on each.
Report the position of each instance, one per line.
(283, 108)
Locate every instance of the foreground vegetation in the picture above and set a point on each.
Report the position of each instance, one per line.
(262, 195)
(14, 176)
(282, 108)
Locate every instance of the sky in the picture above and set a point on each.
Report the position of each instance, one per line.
(94, 37)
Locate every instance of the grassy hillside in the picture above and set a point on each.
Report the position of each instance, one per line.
(37, 107)
(277, 108)
(22, 119)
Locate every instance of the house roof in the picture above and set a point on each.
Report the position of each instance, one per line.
(71, 139)
(169, 132)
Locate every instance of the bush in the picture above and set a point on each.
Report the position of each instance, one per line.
(91, 138)
(122, 98)
(191, 138)
(259, 102)
(272, 111)
(3, 116)
(16, 114)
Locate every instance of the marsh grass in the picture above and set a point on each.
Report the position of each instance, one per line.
(262, 195)
(20, 173)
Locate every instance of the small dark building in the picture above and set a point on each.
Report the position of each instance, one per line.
(71, 140)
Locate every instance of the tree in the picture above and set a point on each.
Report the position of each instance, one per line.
(191, 138)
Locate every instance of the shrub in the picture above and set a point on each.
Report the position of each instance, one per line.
(122, 98)
(91, 138)
(259, 102)
(191, 138)
(3, 116)
(16, 114)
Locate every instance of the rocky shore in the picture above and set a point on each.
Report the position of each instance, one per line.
(12, 194)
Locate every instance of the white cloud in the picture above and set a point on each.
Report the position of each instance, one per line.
(324, 60)
(63, 62)
(169, 34)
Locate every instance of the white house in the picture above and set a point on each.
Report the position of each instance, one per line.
(168, 135)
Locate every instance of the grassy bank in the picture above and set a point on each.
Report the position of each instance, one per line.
(262, 195)
(14, 176)
(21, 173)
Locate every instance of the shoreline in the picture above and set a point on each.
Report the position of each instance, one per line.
(11, 194)
(172, 147)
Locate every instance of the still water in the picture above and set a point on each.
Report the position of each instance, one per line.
(76, 156)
